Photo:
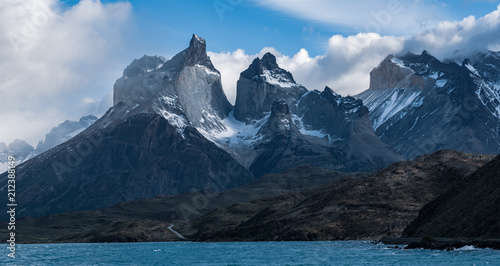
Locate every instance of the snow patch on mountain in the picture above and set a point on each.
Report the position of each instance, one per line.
(173, 119)
(207, 70)
(170, 99)
(277, 79)
(198, 38)
(399, 63)
(236, 133)
(472, 69)
(489, 95)
(440, 83)
(390, 104)
(304, 130)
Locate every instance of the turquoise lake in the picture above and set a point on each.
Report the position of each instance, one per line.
(259, 253)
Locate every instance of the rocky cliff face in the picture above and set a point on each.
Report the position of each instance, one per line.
(419, 104)
(390, 74)
(345, 122)
(282, 145)
(260, 85)
(280, 122)
(469, 210)
(140, 81)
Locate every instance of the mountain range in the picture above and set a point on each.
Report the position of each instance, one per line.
(419, 105)
(171, 129)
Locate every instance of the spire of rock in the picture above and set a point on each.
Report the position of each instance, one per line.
(267, 65)
(262, 83)
(196, 53)
(279, 107)
(279, 122)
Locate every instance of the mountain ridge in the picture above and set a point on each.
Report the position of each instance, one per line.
(419, 104)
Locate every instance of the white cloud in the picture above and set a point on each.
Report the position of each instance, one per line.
(459, 38)
(347, 64)
(345, 68)
(401, 17)
(52, 58)
(230, 64)
(88, 105)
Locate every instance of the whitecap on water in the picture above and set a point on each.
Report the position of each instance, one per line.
(466, 248)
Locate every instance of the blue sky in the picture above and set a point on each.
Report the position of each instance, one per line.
(166, 26)
(59, 59)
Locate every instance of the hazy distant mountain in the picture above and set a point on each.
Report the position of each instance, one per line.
(23, 151)
(64, 132)
(20, 149)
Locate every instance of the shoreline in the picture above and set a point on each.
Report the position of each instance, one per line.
(442, 243)
(447, 244)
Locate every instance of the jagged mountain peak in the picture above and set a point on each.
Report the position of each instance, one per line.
(330, 95)
(423, 57)
(269, 61)
(87, 119)
(389, 73)
(268, 70)
(20, 149)
(186, 90)
(197, 40)
(409, 60)
(196, 53)
(488, 65)
(466, 62)
(260, 85)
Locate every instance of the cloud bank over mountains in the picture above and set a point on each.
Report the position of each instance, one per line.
(346, 65)
(60, 62)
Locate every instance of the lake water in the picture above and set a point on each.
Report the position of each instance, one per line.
(260, 253)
